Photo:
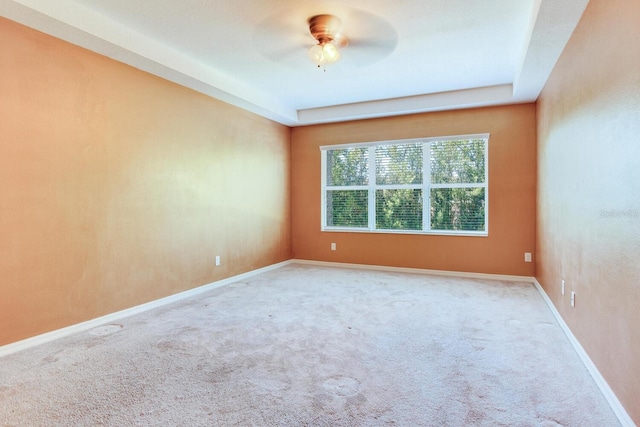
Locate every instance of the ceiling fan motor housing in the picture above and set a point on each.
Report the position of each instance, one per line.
(325, 28)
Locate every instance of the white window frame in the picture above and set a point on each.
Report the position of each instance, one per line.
(426, 186)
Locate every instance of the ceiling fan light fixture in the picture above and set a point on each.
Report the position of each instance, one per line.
(324, 28)
(324, 53)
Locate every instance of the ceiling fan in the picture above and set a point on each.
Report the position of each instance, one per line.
(285, 38)
(325, 29)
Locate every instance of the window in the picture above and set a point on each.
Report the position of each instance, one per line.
(432, 185)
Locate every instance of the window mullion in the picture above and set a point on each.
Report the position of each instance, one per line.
(399, 186)
(346, 187)
(460, 185)
(426, 186)
(371, 209)
(486, 186)
(323, 188)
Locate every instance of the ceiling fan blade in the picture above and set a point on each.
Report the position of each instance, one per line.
(278, 39)
(284, 54)
(382, 46)
(360, 53)
(371, 38)
(286, 37)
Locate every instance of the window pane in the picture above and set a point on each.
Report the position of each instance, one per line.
(399, 164)
(457, 209)
(458, 161)
(399, 209)
(347, 208)
(348, 166)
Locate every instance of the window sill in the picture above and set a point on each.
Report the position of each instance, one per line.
(413, 232)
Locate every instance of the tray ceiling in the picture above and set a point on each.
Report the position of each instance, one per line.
(404, 56)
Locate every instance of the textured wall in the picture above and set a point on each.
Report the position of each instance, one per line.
(512, 176)
(118, 187)
(589, 191)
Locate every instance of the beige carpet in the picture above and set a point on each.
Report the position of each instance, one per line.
(315, 346)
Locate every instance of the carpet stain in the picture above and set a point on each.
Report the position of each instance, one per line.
(402, 304)
(167, 345)
(105, 330)
(5, 392)
(342, 386)
(50, 359)
(270, 384)
(312, 346)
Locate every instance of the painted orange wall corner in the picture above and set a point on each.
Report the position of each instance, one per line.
(512, 194)
(589, 191)
(119, 187)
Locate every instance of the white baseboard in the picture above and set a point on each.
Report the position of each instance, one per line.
(112, 317)
(464, 274)
(608, 394)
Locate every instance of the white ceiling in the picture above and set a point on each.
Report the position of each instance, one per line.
(405, 56)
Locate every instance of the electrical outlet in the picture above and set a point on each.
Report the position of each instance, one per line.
(217, 259)
(562, 286)
(527, 257)
(573, 299)
(333, 246)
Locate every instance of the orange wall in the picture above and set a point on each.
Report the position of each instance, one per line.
(589, 191)
(118, 187)
(512, 177)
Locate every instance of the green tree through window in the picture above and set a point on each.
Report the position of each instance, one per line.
(432, 185)
(399, 165)
(458, 162)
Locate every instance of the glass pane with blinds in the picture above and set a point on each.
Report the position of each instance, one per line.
(347, 208)
(348, 166)
(460, 209)
(458, 161)
(399, 164)
(399, 209)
